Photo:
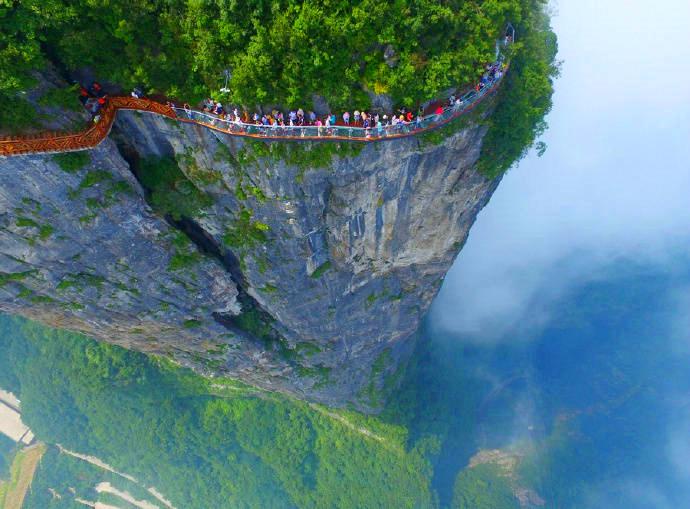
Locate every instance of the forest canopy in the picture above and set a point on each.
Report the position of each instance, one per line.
(278, 51)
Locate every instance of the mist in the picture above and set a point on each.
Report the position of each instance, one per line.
(612, 185)
(579, 264)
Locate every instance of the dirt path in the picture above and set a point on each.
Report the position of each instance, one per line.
(106, 487)
(96, 462)
(23, 468)
(348, 424)
(104, 466)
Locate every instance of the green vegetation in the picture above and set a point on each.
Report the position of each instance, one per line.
(483, 487)
(180, 47)
(62, 98)
(199, 450)
(7, 451)
(308, 349)
(321, 270)
(267, 45)
(72, 162)
(524, 98)
(370, 393)
(13, 491)
(245, 232)
(191, 323)
(26, 222)
(93, 178)
(185, 253)
(197, 174)
(170, 191)
(256, 323)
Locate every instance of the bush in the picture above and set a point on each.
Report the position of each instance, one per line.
(170, 191)
(525, 97)
(181, 47)
(71, 162)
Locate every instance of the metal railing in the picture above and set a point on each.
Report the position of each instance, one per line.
(341, 132)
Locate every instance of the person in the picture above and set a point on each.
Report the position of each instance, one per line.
(137, 93)
(95, 106)
(218, 109)
(83, 96)
(312, 118)
(409, 116)
(357, 117)
(439, 111)
(96, 90)
(346, 118)
(256, 118)
(187, 109)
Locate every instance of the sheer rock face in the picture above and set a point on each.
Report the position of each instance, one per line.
(357, 243)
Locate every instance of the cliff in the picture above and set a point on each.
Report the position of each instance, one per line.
(298, 267)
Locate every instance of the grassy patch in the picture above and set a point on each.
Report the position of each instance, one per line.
(94, 177)
(22, 471)
(170, 191)
(185, 254)
(245, 232)
(64, 98)
(26, 222)
(269, 288)
(71, 162)
(321, 270)
(308, 349)
(370, 393)
(6, 277)
(44, 230)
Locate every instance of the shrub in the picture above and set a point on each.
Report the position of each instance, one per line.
(72, 162)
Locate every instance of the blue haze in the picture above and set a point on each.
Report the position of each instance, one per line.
(576, 275)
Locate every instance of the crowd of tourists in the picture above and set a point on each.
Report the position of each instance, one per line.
(94, 98)
(369, 121)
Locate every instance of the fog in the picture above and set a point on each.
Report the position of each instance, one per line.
(613, 183)
(609, 202)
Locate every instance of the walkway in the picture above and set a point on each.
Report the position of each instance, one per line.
(51, 142)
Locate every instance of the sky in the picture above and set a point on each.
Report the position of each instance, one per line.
(614, 182)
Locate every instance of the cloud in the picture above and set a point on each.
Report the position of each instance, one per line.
(613, 184)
